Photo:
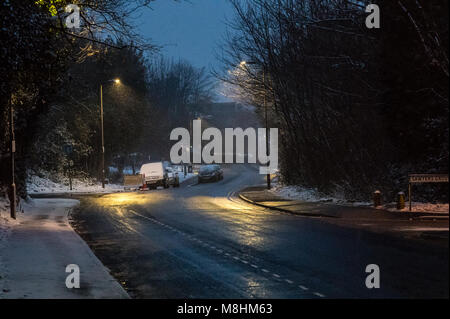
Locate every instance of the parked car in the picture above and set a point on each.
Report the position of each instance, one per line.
(211, 172)
(155, 175)
(172, 173)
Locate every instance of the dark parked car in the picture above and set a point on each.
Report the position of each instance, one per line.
(210, 173)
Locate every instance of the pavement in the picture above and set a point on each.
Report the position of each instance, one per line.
(259, 195)
(204, 241)
(423, 225)
(36, 249)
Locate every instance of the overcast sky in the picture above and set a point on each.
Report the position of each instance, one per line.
(187, 29)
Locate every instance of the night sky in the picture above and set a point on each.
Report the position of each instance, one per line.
(190, 30)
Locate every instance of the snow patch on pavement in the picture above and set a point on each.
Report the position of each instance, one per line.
(6, 224)
(5, 221)
(37, 249)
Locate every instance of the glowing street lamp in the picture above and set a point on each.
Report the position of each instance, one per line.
(117, 81)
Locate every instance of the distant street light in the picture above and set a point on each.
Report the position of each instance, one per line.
(243, 64)
(117, 81)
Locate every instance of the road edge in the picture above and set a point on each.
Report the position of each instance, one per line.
(113, 280)
(248, 200)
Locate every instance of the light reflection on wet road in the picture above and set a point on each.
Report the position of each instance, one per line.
(201, 242)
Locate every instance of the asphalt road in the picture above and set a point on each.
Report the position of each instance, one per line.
(200, 241)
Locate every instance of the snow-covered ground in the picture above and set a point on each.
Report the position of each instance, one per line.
(299, 193)
(36, 184)
(3, 206)
(420, 207)
(5, 221)
(6, 224)
(35, 250)
(311, 195)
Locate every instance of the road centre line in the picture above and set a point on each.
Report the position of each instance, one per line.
(220, 251)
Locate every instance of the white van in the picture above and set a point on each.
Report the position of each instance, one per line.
(155, 175)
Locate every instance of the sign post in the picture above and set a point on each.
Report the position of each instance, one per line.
(424, 178)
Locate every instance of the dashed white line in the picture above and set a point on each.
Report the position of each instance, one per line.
(303, 287)
(190, 237)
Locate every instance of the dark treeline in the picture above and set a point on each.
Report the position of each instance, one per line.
(151, 99)
(357, 108)
(52, 76)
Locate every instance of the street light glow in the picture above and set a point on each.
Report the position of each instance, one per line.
(117, 81)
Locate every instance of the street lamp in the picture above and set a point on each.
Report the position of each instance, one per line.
(117, 81)
(243, 64)
(12, 194)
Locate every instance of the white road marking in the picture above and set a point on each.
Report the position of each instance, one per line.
(303, 287)
(190, 237)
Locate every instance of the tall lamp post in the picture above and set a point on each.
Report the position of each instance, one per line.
(12, 195)
(117, 81)
(242, 64)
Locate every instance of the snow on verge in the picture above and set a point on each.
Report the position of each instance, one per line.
(311, 195)
(422, 208)
(298, 193)
(36, 184)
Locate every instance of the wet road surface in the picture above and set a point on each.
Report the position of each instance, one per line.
(201, 241)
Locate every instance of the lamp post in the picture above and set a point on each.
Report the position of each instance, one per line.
(117, 81)
(12, 195)
(242, 64)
